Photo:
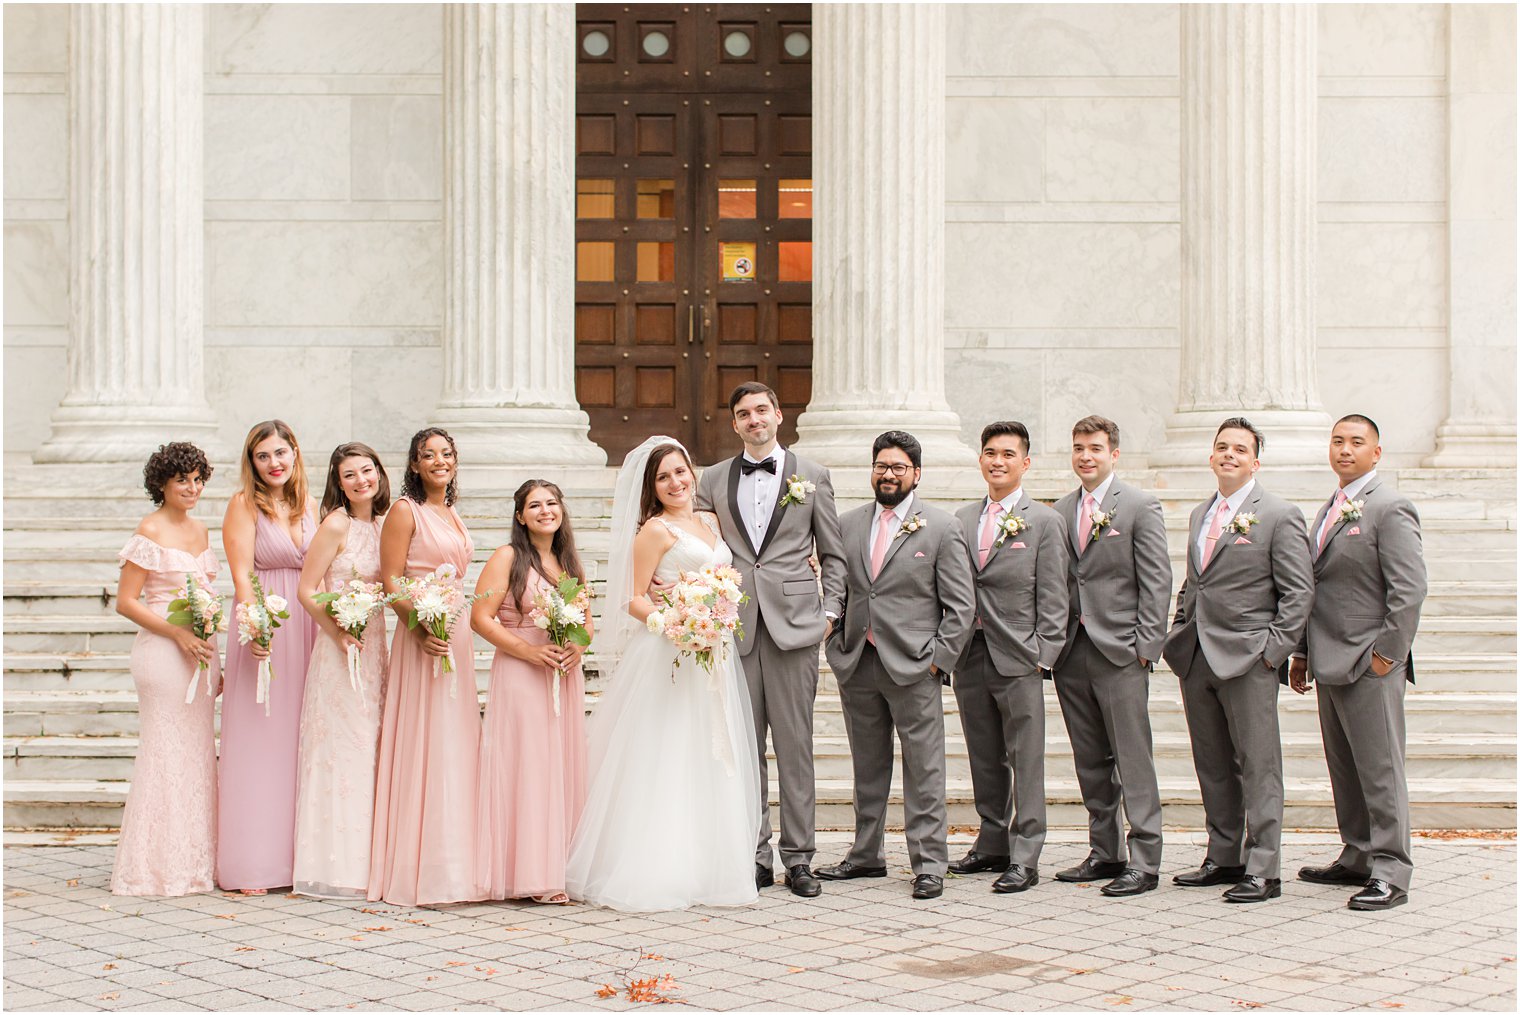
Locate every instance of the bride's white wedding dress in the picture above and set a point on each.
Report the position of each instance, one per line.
(672, 812)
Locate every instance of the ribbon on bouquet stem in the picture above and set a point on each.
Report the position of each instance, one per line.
(353, 670)
(195, 677)
(722, 744)
(261, 689)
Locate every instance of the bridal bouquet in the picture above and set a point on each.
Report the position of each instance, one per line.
(562, 613)
(701, 614)
(351, 609)
(201, 610)
(257, 622)
(437, 601)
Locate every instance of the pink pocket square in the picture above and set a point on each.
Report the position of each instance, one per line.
(1355, 530)
(920, 553)
(1016, 546)
(1113, 532)
(1242, 539)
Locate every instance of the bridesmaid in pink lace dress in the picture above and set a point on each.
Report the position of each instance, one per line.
(168, 831)
(268, 526)
(423, 851)
(532, 761)
(340, 724)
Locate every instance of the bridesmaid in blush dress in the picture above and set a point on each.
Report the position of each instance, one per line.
(168, 831)
(340, 724)
(268, 526)
(426, 785)
(532, 761)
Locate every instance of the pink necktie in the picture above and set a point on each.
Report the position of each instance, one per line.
(1324, 532)
(989, 529)
(884, 534)
(1213, 536)
(1084, 531)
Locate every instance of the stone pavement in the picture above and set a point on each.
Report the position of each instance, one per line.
(864, 945)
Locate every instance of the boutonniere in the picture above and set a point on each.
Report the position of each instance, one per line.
(1351, 510)
(1100, 521)
(911, 526)
(1242, 523)
(1011, 525)
(797, 490)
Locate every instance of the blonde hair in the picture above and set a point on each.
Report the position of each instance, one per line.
(255, 489)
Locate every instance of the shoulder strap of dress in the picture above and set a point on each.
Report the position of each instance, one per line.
(711, 521)
(674, 530)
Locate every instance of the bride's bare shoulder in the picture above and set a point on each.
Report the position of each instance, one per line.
(656, 532)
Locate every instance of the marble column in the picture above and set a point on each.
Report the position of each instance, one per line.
(136, 129)
(1479, 430)
(1248, 233)
(879, 234)
(509, 224)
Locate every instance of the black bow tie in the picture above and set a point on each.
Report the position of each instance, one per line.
(747, 466)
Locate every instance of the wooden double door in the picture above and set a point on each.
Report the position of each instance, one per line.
(694, 201)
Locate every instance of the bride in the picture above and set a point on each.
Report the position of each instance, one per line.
(671, 814)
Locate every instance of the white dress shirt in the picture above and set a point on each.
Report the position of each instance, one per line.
(1352, 489)
(757, 496)
(1234, 500)
(1097, 496)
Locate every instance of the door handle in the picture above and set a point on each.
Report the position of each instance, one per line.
(691, 319)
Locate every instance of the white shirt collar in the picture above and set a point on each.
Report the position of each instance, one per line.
(1235, 499)
(1009, 502)
(777, 452)
(1098, 494)
(1356, 486)
(901, 512)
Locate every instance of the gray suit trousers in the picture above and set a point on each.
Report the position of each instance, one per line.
(1004, 722)
(874, 705)
(1363, 727)
(1237, 752)
(1106, 708)
(782, 688)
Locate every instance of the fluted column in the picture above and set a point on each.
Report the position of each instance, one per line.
(879, 234)
(135, 376)
(509, 220)
(1248, 232)
(1479, 429)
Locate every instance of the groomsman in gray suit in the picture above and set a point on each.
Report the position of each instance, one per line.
(1369, 572)
(908, 608)
(1017, 549)
(776, 510)
(1121, 585)
(1240, 613)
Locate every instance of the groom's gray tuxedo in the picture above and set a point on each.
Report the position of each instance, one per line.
(918, 611)
(783, 623)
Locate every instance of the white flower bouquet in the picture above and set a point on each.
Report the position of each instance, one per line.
(201, 609)
(437, 600)
(257, 622)
(561, 612)
(351, 608)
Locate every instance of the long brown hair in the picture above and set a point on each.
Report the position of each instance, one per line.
(333, 496)
(411, 482)
(294, 492)
(649, 500)
(525, 555)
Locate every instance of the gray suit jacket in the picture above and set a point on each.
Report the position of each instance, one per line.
(920, 608)
(1121, 585)
(1250, 605)
(780, 584)
(1021, 595)
(1369, 585)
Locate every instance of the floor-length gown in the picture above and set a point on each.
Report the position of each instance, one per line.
(673, 808)
(256, 791)
(532, 766)
(340, 740)
(168, 831)
(427, 782)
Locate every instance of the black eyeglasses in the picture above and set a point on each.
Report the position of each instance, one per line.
(882, 468)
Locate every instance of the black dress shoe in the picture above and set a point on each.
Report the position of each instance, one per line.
(764, 876)
(1131, 882)
(1017, 878)
(1092, 869)
(802, 882)
(928, 886)
(844, 870)
(975, 863)
(1334, 874)
(1254, 888)
(1209, 874)
(1378, 894)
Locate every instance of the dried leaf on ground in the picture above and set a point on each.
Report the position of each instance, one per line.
(245, 948)
(457, 963)
(226, 916)
(1120, 999)
(1391, 1004)
(72, 882)
(1247, 1004)
(652, 956)
(112, 996)
(108, 967)
(608, 990)
(378, 929)
(795, 969)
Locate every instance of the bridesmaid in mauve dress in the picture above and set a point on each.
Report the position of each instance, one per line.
(532, 761)
(268, 526)
(340, 724)
(423, 851)
(168, 831)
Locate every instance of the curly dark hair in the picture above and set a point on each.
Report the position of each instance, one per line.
(411, 483)
(177, 458)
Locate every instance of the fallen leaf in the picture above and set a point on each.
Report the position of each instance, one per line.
(112, 996)
(458, 963)
(607, 991)
(420, 923)
(795, 969)
(226, 916)
(1247, 1004)
(1120, 999)
(651, 955)
(357, 937)
(430, 979)
(487, 970)
(72, 882)
(376, 930)
(245, 948)
(108, 967)
(1391, 1004)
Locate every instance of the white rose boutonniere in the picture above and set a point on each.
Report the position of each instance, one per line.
(1351, 510)
(797, 490)
(1011, 525)
(1242, 523)
(911, 526)
(1100, 521)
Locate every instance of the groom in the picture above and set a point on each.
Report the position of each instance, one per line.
(776, 511)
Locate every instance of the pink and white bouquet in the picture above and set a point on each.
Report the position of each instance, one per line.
(257, 622)
(701, 613)
(437, 600)
(351, 606)
(562, 613)
(199, 608)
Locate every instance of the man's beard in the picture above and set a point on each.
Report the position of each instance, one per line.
(894, 498)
